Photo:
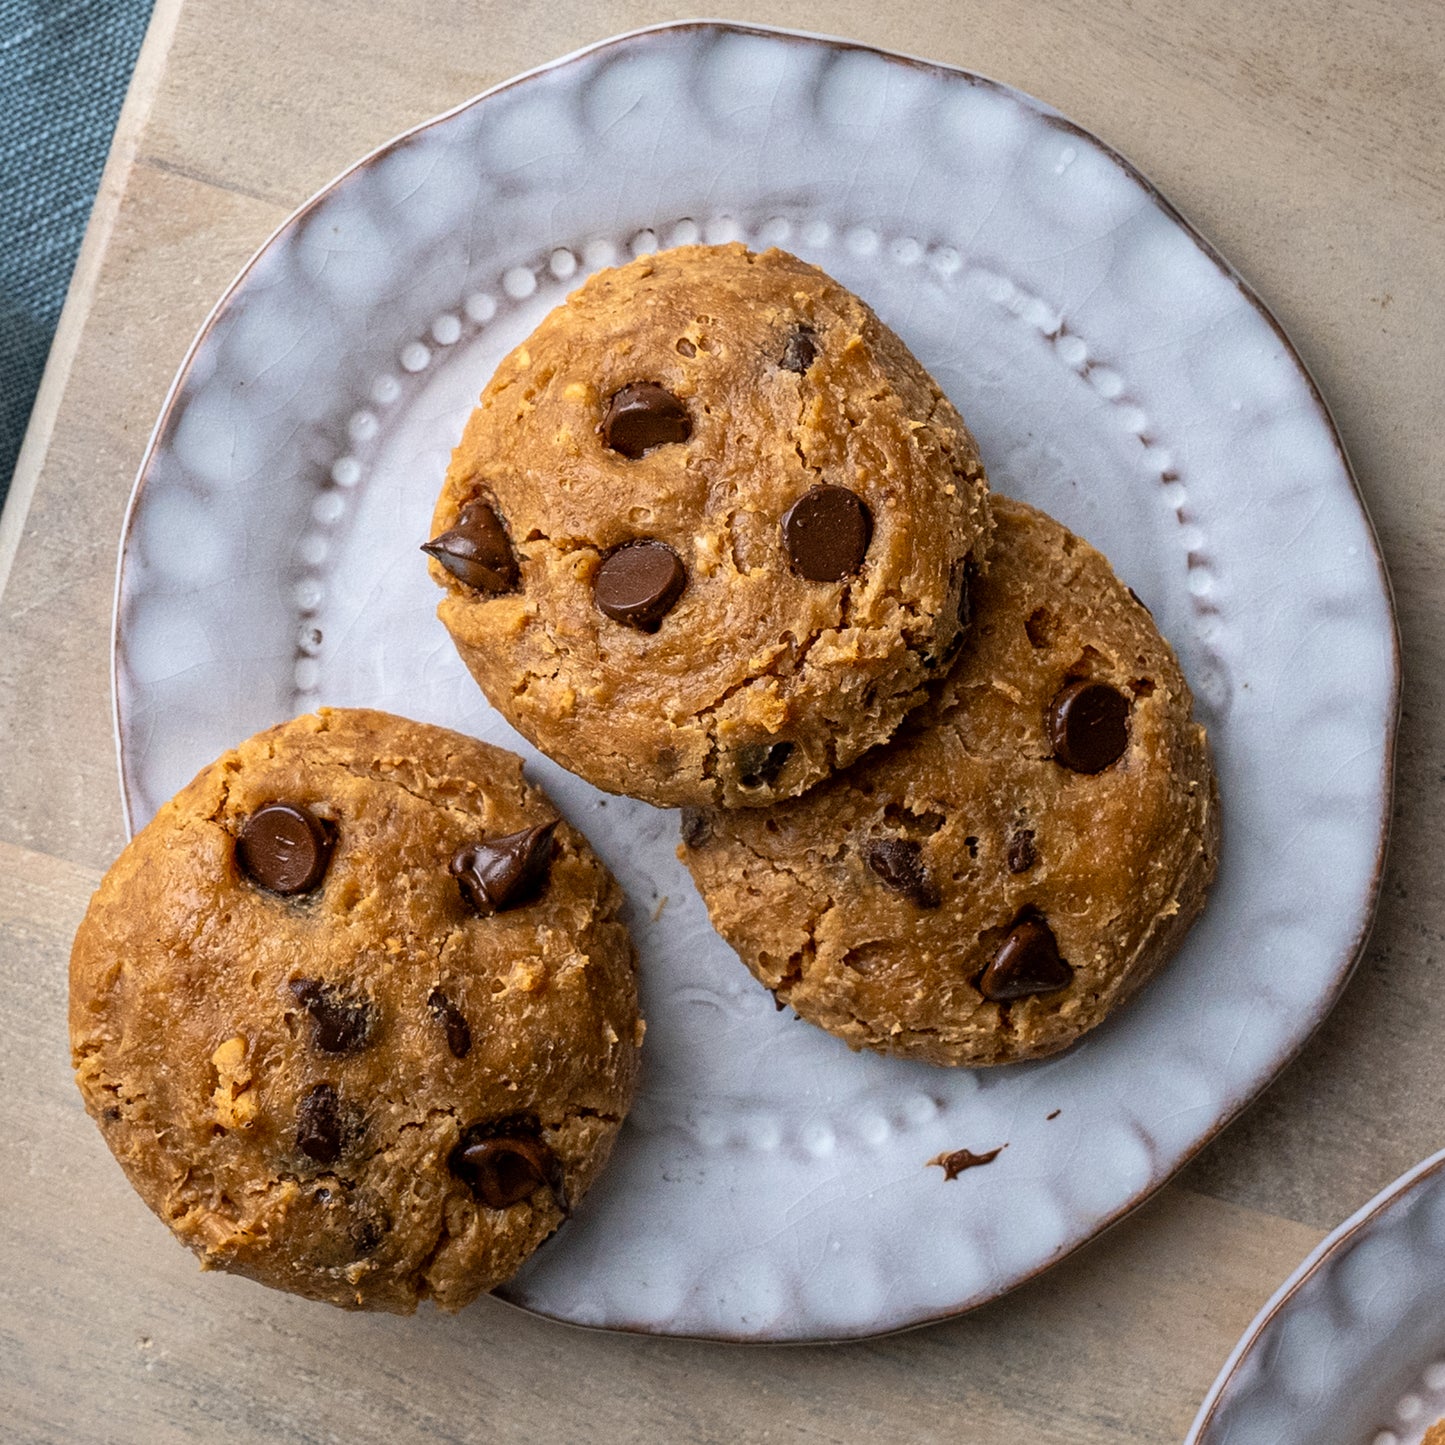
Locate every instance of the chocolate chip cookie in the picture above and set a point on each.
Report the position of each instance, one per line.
(1026, 853)
(356, 1013)
(710, 530)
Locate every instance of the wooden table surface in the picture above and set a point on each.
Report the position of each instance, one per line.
(1306, 139)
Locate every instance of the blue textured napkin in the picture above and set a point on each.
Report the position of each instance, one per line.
(64, 68)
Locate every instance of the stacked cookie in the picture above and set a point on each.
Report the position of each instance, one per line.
(714, 538)
(357, 1012)
(708, 535)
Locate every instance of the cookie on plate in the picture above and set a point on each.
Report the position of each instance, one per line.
(710, 530)
(1026, 853)
(357, 1014)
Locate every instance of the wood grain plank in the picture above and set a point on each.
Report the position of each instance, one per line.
(150, 66)
(175, 246)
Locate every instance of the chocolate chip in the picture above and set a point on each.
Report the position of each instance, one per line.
(284, 848)
(759, 764)
(1022, 855)
(1088, 725)
(826, 532)
(502, 1169)
(341, 1025)
(501, 873)
(899, 863)
(459, 1033)
(641, 416)
(965, 592)
(366, 1233)
(800, 350)
(962, 578)
(318, 1125)
(1027, 962)
(696, 827)
(638, 583)
(476, 551)
(1137, 598)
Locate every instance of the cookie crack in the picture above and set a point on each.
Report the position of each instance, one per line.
(373, 774)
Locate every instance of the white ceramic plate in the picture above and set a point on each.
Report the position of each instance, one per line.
(1351, 1350)
(771, 1185)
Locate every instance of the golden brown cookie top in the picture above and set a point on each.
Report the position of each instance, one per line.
(705, 536)
(356, 1012)
(1025, 853)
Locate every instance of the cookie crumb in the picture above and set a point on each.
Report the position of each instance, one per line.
(953, 1164)
(233, 1101)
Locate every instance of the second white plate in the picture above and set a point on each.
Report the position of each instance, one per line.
(770, 1185)
(1351, 1349)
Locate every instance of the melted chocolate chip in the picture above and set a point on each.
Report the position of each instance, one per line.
(340, 1024)
(953, 1164)
(899, 863)
(476, 551)
(641, 416)
(319, 1133)
(451, 1018)
(963, 575)
(759, 764)
(1088, 725)
(966, 590)
(638, 583)
(504, 1168)
(800, 350)
(366, 1233)
(696, 827)
(501, 873)
(284, 848)
(1027, 962)
(826, 533)
(1022, 855)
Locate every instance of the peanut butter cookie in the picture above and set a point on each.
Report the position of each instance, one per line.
(710, 530)
(1026, 853)
(356, 1013)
